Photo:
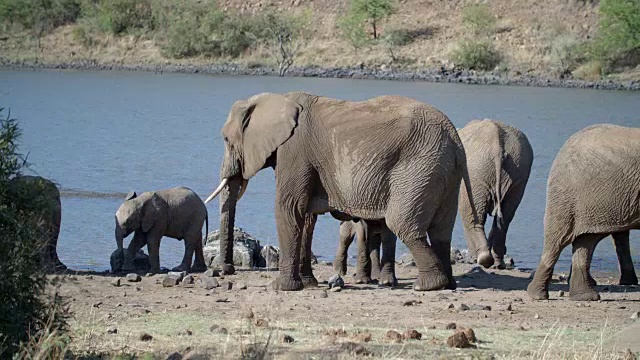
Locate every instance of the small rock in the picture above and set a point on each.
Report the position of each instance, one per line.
(510, 264)
(115, 282)
(450, 306)
(336, 289)
(393, 336)
(247, 313)
(177, 274)
(335, 281)
(261, 323)
(363, 337)
(112, 330)
(411, 302)
(287, 339)
(188, 280)
(97, 305)
(219, 330)
(468, 332)
(241, 286)
(412, 334)
(635, 315)
(212, 273)
(169, 281)
(323, 294)
(207, 283)
(146, 337)
(138, 288)
(463, 307)
(560, 293)
(186, 332)
(149, 274)
(354, 348)
(174, 356)
(481, 307)
(226, 285)
(508, 307)
(450, 326)
(133, 277)
(458, 340)
(536, 316)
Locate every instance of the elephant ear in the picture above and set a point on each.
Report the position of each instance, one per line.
(268, 122)
(151, 213)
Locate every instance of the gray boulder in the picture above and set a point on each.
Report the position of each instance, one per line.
(140, 261)
(269, 257)
(246, 249)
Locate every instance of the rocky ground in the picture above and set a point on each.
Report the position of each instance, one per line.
(240, 316)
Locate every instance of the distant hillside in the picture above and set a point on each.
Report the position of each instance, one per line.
(528, 35)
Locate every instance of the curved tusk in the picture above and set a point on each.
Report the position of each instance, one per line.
(243, 188)
(215, 193)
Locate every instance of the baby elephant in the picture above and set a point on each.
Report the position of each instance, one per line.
(177, 213)
(499, 159)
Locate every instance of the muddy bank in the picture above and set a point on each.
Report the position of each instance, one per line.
(440, 75)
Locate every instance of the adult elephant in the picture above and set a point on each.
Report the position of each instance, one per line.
(499, 158)
(178, 213)
(371, 236)
(593, 191)
(390, 158)
(48, 197)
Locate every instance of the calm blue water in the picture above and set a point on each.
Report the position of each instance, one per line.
(119, 131)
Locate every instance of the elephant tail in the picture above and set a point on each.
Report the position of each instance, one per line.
(206, 228)
(497, 210)
(461, 160)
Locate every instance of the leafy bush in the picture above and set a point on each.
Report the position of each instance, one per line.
(479, 19)
(352, 29)
(119, 16)
(566, 53)
(618, 40)
(46, 14)
(476, 54)
(372, 10)
(28, 317)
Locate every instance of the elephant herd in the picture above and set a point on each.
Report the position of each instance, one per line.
(394, 167)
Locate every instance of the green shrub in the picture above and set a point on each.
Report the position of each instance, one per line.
(479, 19)
(46, 14)
(352, 29)
(374, 11)
(617, 42)
(29, 318)
(565, 53)
(119, 16)
(476, 54)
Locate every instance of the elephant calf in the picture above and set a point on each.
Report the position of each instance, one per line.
(51, 215)
(178, 213)
(371, 235)
(499, 159)
(593, 191)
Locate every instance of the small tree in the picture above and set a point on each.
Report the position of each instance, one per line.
(373, 10)
(618, 37)
(352, 29)
(283, 35)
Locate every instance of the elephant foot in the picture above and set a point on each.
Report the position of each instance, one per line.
(628, 279)
(584, 295)
(287, 284)
(375, 274)
(362, 279)
(181, 267)
(340, 268)
(592, 281)
(198, 268)
(452, 285)
(228, 269)
(499, 264)
(430, 281)
(309, 282)
(537, 293)
(388, 279)
(485, 259)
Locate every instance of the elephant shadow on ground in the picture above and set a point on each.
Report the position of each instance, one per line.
(479, 279)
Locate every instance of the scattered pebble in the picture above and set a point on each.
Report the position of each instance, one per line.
(411, 302)
(146, 337)
(261, 323)
(112, 330)
(97, 305)
(149, 274)
(287, 339)
(463, 307)
(335, 281)
(208, 283)
(226, 285)
(323, 294)
(169, 281)
(450, 306)
(450, 326)
(177, 274)
(115, 282)
(481, 307)
(635, 315)
(560, 293)
(458, 340)
(336, 289)
(186, 332)
(212, 273)
(133, 277)
(174, 356)
(138, 288)
(536, 316)
(363, 337)
(218, 329)
(393, 336)
(247, 313)
(241, 286)
(187, 280)
(412, 334)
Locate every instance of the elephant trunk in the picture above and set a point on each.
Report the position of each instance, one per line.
(228, 202)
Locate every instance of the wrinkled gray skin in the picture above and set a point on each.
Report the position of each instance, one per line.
(370, 267)
(499, 158)
(51, 216)
(593, 191)
(390, 158)
(178, 213)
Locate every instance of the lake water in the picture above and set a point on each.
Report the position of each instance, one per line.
(113, 132)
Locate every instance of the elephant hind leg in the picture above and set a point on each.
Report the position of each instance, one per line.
(500, 227)
(363, 272)
(538, 288)
(306, 270)
(580, 288)
(187, 258)
(627, 272)
(388, 261)
(346, 238)
(199, 264)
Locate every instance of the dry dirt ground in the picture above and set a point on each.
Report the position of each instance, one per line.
(199, 323)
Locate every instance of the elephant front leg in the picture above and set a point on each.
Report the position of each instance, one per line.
(289, 223)
(363, 270)
(388, 261)
(153, 245)
(580, 288)
(346, 238)
(431, 275)
(374, 254)
(139, 240)
(307, 237)
(627, 272)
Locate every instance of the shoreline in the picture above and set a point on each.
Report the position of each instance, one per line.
(468, 77)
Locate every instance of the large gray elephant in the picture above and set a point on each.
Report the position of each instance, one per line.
(178, 213)
(390, 158)
(499, 158)
(370, 266)
(49, 198)
(593, 191)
